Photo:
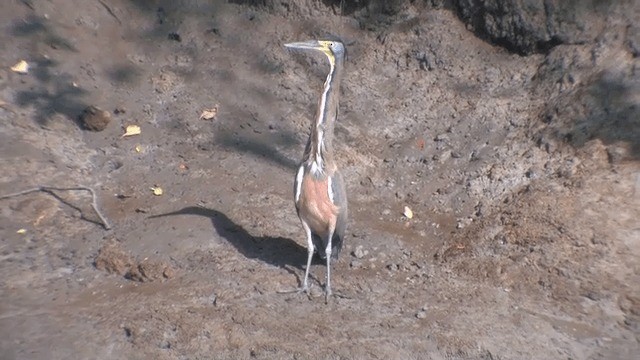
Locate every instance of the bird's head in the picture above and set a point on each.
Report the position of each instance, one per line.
(331, 48)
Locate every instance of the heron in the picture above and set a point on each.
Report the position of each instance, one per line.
(319, 190)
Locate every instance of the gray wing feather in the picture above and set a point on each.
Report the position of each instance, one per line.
(340, 200)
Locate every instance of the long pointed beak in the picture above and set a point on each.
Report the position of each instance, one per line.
(306, 45)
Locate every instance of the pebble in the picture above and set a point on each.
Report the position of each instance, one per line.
(315, 292)
(359, 252)
(95, 119)
(462, 223)
(616, 153)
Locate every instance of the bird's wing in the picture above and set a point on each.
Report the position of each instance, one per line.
(338, 196)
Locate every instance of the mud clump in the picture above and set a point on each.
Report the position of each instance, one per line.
(95, 119)
(150, 270)
(115, 260)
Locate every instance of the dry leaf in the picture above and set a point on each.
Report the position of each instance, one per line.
(6, 106)
(407, 212)
(132, 130)
(208, 114)
(157, 190)
(21, 231)
(138, 148)
(22, 67)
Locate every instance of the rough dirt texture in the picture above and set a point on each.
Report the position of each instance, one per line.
(523, 172)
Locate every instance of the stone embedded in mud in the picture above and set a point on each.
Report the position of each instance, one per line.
(114, 260)
(149, 270)
(174, 36)
(359, 252)
(616, 153)
(95, 119)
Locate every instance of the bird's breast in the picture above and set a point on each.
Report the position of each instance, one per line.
(315, 206)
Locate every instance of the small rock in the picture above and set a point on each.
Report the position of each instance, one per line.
(442, 137)
(531, 174)
(616, 153)
(174, 36)
(547, 144)
(355, 264)
(442, 157)
(462, 223)
(315, 292)
(113, 259)
(359, 252)
(148, 270)
(95, 119)
(421, 314)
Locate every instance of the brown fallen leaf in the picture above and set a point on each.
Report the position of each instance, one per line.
(208, 114)
(132, 130)
(408, 212)
(22, 67)
(6, 106)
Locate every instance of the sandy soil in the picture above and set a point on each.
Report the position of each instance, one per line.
(523, 174)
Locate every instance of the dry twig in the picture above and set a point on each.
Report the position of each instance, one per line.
(50, 189)
(108, 8)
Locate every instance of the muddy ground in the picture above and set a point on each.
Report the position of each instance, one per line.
(522, 172)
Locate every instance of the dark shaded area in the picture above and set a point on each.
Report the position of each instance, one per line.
(277, 251)
(528, 26)
(605, 109)
(125, 73)
(261, 146)
(169, 15)
(371, 7)
(64, 98)
(38, 27)
(55, 92)
(619, 119)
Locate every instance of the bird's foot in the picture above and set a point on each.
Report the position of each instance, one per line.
(337, 294)
(327, 295)
(303, 289)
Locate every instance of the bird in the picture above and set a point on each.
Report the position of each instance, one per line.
(319, 189)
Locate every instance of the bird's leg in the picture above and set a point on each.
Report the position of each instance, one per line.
(310, 247)
(327, 252)
(305, 283)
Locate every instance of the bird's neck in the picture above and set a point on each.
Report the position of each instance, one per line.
(321, 138)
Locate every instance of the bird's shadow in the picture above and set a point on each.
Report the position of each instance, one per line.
(277, 251)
